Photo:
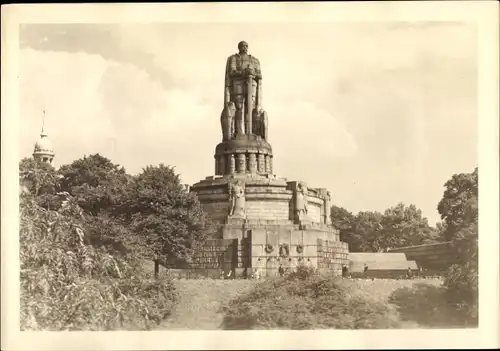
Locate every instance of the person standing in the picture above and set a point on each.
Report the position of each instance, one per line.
(281, 271)
(409, 273)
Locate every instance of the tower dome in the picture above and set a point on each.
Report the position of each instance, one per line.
(43, 149)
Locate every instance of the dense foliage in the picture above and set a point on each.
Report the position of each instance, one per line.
(459, 210)
(166, 218)
(69, 284)
(304, 300)
(85, 232)
(372, 231)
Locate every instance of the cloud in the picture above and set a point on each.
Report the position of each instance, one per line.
(98, 105)
(106, 40)
(387, 112)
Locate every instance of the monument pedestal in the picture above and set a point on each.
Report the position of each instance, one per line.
(269, 234)
(265, 221)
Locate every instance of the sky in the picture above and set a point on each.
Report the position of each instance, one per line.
(379, 113)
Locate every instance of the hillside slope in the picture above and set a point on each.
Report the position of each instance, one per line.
(200, 301)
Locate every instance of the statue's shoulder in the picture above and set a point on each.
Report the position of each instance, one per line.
(253, 58)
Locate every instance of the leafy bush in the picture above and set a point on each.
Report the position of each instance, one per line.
(304, 300)
(462, 284)
(430, 306)
(69, 284)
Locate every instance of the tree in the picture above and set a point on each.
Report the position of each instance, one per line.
(170, 221)
(343, 220)
(404, 226)
(372, 231)
(95, 182)
(367, 229)
(440, 230)
(459, 210)
(459, 205)
(37, 177)
(40, 180)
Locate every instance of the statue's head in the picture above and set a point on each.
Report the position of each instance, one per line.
(243, 47)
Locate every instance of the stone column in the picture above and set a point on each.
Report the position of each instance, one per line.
(262, 163)
(232, 164)
(221, 165)
(268, 164)
(240, 163)
(252, 163)
(216, 166)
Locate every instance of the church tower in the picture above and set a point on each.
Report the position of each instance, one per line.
(43, 147)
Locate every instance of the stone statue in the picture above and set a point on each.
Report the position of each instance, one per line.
(327, 204)
(237, 199)
(243, 88)
(301, 201)
(263, 125)
(325, 210)
(260, 123)
(257, 123)
(227, 121)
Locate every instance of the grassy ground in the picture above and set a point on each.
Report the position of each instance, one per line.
(201, 299)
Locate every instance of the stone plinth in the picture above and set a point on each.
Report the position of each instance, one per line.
(251, 154)
(270, 230)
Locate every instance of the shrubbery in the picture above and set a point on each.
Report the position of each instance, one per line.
(69, 284)
(86, 230)
(461, 279)
(304, 300)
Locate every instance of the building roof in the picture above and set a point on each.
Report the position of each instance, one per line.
(379, 261)
(43, 145)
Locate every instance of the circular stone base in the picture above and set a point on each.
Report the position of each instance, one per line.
(244, 153)
(244, 144)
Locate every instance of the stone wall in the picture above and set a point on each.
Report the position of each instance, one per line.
(315, 211)
(290, 247)
(218, 210)
(210, 258)
(332, 255)
(267, 209)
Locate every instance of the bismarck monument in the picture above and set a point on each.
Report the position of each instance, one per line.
(265, 221)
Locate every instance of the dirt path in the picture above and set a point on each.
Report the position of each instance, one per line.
(200, 301)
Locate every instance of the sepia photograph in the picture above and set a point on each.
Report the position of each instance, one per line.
(250, 175)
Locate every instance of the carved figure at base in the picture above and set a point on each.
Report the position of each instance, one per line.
(227, 120)
(325, 209)
(327, 204)
(237, 199)
(301, 200)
